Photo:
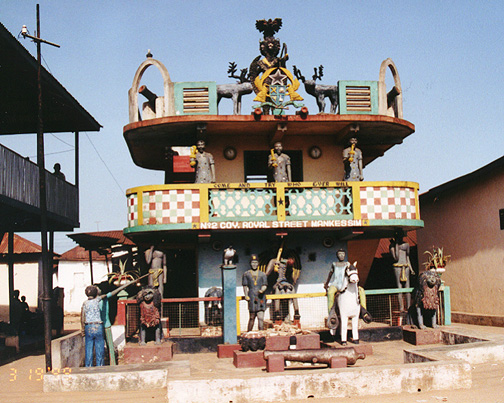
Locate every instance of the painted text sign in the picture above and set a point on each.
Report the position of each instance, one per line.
(282, 224)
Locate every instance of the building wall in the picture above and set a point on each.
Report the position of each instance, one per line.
(465, 222)
(315, 259)
(24, 275)
(74, 277)
(329, 167)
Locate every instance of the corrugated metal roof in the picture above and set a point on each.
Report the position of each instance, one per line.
(100, 240)
(21, 245)
(383, 246)
(18, 80)
(80, 254)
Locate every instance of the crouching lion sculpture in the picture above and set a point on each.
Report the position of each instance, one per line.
(425, 300)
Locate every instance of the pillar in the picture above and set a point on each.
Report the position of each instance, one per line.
(229, 303)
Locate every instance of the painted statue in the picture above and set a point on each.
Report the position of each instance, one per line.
(345, 298)
(426, 300)
(204, 164)
(285, 284)
(228, 256)
(319, 91)
(269, 48)
(156, 260)
(254, 283)
(352, 160)
(213, 309)
(400, 251)
(237, 90)
(273, 83)
(149, 299)
(280, 163)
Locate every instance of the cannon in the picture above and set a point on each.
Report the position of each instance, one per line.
(320, 356)
(151, 97)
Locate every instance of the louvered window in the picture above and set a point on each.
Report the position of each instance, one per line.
(358, 98)
(196, 100)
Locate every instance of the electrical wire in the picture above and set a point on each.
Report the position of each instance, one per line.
(56, 152)
(64, 142)
(102, 160)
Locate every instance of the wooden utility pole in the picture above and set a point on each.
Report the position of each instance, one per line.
(46, 267)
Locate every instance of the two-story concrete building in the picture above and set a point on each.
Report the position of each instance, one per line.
(310, 217)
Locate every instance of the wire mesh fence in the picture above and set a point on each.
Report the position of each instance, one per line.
(386, 308)
(190, 316)
(180, 316)
(312, 310)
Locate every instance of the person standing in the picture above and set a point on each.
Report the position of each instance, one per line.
(96, 325)
(57, 171)
(92, 327)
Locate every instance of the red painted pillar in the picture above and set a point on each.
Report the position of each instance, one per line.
(121, 313)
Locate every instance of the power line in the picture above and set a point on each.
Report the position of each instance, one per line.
(110, 172)
(56, 152)
(64, 142)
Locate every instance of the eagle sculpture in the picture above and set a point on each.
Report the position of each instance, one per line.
(269, 27)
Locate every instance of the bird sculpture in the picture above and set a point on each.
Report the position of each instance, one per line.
(228, 256)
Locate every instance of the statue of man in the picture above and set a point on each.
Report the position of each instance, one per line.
(280, 164)
(352, 159)
(156, 260)
(400, 250)
(285, 283)
(334, 282)
(254, 284)
(334, 285)
(205, 166)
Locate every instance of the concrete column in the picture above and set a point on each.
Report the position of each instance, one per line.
(229, 303)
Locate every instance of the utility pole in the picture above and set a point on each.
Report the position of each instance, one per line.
(46, 269)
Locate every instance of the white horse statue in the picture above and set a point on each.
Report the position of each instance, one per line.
(348, 304)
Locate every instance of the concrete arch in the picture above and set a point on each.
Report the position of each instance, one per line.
(168, 108)
(390, 104)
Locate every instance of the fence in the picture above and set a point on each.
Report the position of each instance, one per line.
(180, 316)
(19, 180)
(187, 316)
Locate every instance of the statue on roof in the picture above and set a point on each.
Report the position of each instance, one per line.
(271, 80)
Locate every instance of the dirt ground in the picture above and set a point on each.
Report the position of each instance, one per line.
(21, 381)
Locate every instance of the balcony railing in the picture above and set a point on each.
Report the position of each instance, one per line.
(273, 205)
(19, 182)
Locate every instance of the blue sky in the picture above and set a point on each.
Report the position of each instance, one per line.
(449, 57)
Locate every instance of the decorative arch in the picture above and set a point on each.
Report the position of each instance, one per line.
(390, 103)
(168, 107)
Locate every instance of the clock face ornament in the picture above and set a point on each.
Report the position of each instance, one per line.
(315, 152)
(230, 153)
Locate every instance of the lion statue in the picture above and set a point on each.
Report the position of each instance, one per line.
(423, 310)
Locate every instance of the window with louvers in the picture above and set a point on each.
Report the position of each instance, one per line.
(196, 100)
(358, 98)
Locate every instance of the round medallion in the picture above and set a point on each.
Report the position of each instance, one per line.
(328, 242)
(315, 152)
(230, 153)
(217, 245)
